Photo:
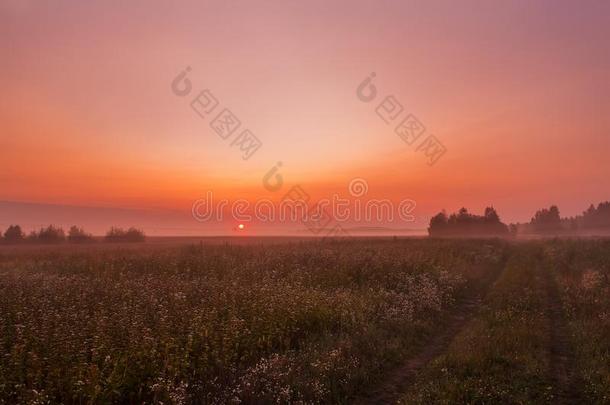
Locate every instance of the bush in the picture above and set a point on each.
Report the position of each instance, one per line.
(13, 234)
(78, 235)
(120, 235)
(115, 235)
(135, 235)
(51, 234)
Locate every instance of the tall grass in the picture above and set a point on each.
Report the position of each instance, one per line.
(216, 324)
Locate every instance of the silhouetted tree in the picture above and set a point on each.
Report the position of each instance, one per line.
(32, 237)
(491, 216)
(596, 217)
(78, 235)
(114, 235)
(438, 224)
(547, 220)
(119, 235)
(134, 235)
(51, 234)
(13, 234)
(554, 214)
(463, 223)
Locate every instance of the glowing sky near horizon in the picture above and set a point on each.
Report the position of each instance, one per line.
(518, 92)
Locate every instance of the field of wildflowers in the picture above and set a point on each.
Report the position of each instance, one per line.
(304, 321)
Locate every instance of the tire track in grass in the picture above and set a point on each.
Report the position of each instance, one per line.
(396, 384)
(566, 382)
(501, 356)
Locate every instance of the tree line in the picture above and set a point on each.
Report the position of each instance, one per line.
(54, 234)
(464, 223)
(544, 221)
(550, 221)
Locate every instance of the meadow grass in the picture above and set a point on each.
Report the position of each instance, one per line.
(312, 322)
(582, 270)
(501, 355)
(305, 322)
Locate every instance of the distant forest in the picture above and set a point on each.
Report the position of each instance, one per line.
(546, 221)
(52, 234)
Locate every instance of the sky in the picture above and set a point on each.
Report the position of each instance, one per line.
(517, 93)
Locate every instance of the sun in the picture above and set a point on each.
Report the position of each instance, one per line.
(241, 227)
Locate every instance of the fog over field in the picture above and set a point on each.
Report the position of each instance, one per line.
(315, 202)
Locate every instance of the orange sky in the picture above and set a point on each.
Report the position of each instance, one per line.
(518, 93)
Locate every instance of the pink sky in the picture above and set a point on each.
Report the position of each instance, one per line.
(518, 93)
